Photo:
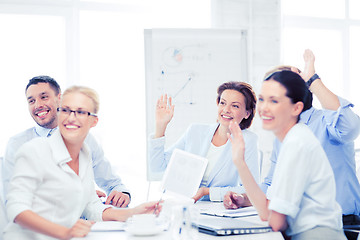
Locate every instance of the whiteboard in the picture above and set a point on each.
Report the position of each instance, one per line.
(189, 65)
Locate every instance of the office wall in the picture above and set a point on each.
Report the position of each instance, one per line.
(262, 20)
(188, 65)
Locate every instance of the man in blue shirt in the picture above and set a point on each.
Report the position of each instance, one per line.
(336, 126)
(43, 96)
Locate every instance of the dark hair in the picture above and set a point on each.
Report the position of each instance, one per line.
(309, 96)
(250, 99)
(44, 79)
(280, 68)
(296, 88)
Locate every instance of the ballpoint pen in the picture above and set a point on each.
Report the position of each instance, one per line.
(156, 207)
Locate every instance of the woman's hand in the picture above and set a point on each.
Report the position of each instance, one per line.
(203, 191)
(148, 208)
(100, 194)
(237, 142)
(163, 115)
(80, 229)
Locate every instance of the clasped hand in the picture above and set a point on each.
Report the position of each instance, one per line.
(115, 198)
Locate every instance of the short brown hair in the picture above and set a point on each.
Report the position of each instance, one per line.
(250, 99)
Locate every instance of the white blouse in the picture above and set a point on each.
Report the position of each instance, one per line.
(212, 156)
(303, 186)
(45, 184)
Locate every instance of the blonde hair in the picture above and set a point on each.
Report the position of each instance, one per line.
(91, 93)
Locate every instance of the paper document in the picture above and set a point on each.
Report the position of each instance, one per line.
(107, 226)
(184, 173)
(218, 209)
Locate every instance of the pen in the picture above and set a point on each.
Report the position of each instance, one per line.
(156, 207)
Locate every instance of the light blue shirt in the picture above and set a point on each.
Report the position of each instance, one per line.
(104, 176)
(197, 139)
(336, 131)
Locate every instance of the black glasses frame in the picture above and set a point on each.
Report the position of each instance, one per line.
(68, 111)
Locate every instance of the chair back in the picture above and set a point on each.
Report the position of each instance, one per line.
(3, 218)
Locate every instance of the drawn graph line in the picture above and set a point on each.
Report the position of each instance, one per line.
(183, 83)
(183, 87)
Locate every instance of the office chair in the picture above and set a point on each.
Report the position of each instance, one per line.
(352, 231)
(3, 218)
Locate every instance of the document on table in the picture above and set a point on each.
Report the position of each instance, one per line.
(107, 226)
(218, 209)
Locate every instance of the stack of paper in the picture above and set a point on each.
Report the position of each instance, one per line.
(218, 209)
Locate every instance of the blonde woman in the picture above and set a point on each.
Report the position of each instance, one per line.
(52, 185)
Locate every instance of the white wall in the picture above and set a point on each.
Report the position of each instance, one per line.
(262, 20)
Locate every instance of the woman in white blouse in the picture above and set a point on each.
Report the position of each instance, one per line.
(53, 183)
(301, 199)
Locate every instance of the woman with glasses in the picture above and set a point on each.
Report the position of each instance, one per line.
(301, 199)
(235, 101)
(53, 183)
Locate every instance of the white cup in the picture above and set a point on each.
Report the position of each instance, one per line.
(143, 221)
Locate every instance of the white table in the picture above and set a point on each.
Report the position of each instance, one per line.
(168, 235)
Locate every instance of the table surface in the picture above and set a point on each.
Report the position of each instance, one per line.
(194, 234)
(121, 235)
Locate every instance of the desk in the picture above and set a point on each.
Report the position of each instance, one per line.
(167, 235)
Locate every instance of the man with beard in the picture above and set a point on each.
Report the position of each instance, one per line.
(43, 95)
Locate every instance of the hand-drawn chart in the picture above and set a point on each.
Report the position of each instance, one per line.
(189, 65)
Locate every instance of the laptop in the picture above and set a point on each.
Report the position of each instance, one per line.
(219, 226)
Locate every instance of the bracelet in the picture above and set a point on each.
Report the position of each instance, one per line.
(311, 80)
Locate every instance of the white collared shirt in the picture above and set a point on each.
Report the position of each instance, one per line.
(303, 186)
(45, 184)
(105, 177)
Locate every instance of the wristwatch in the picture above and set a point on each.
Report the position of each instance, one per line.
(311, 80)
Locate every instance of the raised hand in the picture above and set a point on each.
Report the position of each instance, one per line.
(237, 143)
(309, 68)
(163, 114)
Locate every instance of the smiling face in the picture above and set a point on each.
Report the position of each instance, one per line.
(276, 110)
(74, 128)
(231, 107)
(42, 103)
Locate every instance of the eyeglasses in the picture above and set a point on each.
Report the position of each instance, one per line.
(77, 113)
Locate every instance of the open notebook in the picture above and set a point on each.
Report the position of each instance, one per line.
(220, 226)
